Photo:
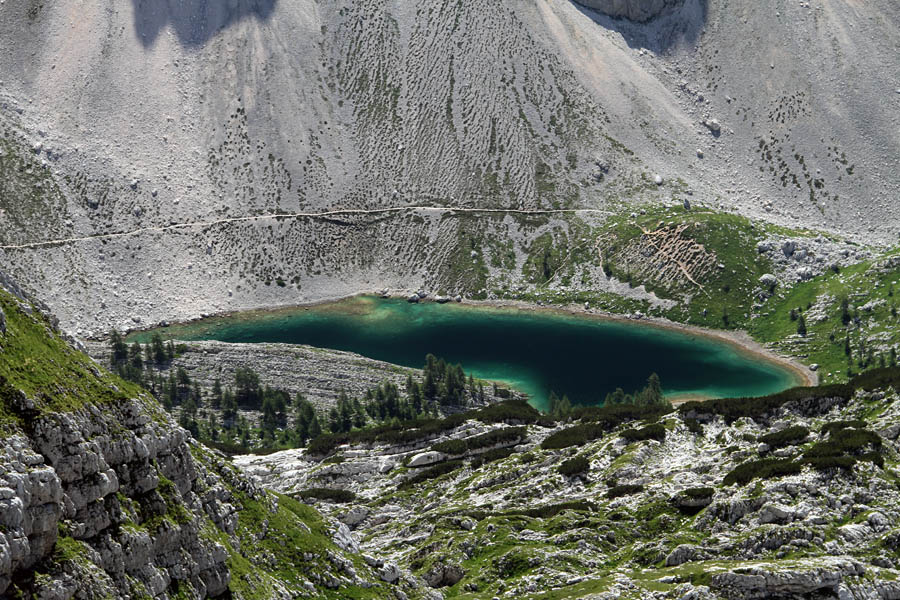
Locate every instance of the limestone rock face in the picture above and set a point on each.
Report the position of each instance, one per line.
(100, 477)
(635, 10)
(765, 583)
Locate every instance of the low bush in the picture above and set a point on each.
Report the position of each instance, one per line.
(656, 431)
(431, 473)
(614, 415)
(735, 408)
(786, 437)
(509, 411)
(698, 492)
(694, 426)
(762, 469)
(573, 466)
(547, 511)
(328, 495)
(491, 456)
(846, 441)
(408, 432)
(822, 463)
(624, 490)
(506, 435)
(833, 426)
(451, 447)
(573, 436)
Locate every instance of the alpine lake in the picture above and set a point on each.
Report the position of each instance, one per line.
(533, 351)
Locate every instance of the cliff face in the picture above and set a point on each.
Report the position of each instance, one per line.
(102, 496)
(636, 10)
(118, 491)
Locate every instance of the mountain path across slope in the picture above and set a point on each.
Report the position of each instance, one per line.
(301, 215)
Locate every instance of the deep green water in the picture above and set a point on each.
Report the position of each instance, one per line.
(534, 351)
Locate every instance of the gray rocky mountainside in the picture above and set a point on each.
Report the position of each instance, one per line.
(790, 497)
(188, 125)
(103, 496)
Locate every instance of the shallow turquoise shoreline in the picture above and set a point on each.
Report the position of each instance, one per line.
(533, 351)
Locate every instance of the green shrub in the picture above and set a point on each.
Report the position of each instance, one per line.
(328, 494)
(451, 447)
(528, 458)
(573, 466)
(829, 428)
(509, 411)
(766, 468)
(614, 415)
(656, 431)
(785, 437)
(735, 408)
(431, 473)
(822, 463)
(573, 436)
(694, 426)
(624, 490)
(491, 456)
(505, 435)
(497, 436)
(698, 492)
(846, 441)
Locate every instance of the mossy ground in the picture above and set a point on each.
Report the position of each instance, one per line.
(828, 336)
(40, 363)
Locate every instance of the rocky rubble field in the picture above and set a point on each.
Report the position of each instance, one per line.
(657, 508)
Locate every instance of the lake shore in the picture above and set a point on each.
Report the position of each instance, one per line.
(739, 340)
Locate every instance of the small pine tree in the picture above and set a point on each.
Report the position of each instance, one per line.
(215, 398)
(136, 356)
(845, 312)
(653, 393)
(315, 428)
(801, 326)
(212, 425)
(158, 349)
(118, 349)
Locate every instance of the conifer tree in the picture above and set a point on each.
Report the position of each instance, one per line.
(215, 398)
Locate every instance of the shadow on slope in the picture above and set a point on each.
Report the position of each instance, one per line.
(195, 22)
(681, 26)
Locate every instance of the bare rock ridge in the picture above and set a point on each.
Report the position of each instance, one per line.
(635, 10)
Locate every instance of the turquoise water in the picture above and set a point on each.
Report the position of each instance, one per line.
(534, 351)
